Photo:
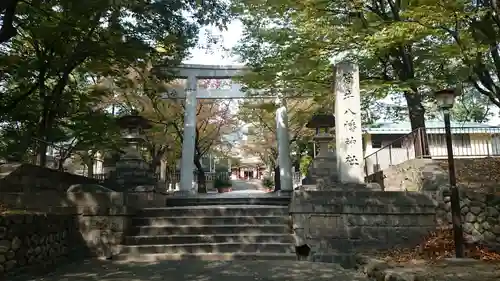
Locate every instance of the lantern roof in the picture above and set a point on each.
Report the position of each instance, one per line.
(134, 120)
(321, 121)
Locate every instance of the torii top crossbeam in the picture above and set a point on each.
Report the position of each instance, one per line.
(210, 71)
(194, 72)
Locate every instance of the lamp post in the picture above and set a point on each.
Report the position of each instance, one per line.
(445, 99)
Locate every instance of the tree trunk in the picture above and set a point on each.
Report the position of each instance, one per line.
(60, 164)
(8, 9)
(90, 168)
(277, 181)
(156, 167)
(416, 112)
(202, 182)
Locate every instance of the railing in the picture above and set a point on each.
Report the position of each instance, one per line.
(468, 142)
(296, 179)
(175, 177)
(209, 176)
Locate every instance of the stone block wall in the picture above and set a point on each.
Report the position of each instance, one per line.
(36, 242)
(337, 223)
(103, 230)
(480, 216)
(78, 202)
(77, 225)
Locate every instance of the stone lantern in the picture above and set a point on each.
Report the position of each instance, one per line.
(132, 172)
(322, 123)
(324, 164)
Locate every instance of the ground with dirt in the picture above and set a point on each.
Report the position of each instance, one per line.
(444, 270)
(195, 270)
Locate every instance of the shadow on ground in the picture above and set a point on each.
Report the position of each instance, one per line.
(92, 270)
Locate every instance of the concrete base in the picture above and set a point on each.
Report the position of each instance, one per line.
(184, 193)
(284, 193)
(340, 186)
(337, 223)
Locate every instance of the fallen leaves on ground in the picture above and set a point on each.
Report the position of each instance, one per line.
(481, 173)
(438, 246)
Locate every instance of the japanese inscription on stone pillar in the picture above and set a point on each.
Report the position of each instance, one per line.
(348, 134)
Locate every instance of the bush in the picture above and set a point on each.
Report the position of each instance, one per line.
(220, 182)
(305, 161)
(268, 182)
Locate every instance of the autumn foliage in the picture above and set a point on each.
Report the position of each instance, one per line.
(437, 246)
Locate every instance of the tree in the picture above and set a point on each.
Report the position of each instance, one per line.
(467, 33)
(300, 39)
(8, 12)
(214, 118)
(214, 121)
(260, 115)
(60, 40)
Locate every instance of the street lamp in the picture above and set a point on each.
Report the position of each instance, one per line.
(446, 99)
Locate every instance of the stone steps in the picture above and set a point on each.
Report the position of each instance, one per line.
(208, 201)
(214, 238)
(255, 230)
(209, 229)
(217, 220)
(214, 248)
(211, 211)
(204, 257)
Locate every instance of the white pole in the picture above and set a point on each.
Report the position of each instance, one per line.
(284, 161)
(210, 163)
(188, 142)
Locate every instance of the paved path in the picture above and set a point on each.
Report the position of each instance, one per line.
(199, 271)
(247, 186)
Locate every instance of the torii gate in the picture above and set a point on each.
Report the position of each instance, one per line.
(192, 73)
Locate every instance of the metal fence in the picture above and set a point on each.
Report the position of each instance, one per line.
(468, 142)
(209, 176)
(296, 178)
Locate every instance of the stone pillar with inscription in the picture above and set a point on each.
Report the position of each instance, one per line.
(349, 144)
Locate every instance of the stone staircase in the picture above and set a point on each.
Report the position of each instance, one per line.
(211, 229)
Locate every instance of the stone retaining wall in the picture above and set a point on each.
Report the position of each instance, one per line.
(78, 225)
(103, 230)
(50, 201)
(33, 242)
(480, 216)
(32, 178)
(337, 223)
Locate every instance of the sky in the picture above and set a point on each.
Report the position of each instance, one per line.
(229, 38)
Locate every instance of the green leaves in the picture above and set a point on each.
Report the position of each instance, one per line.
(410, 48)
(52, 71)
